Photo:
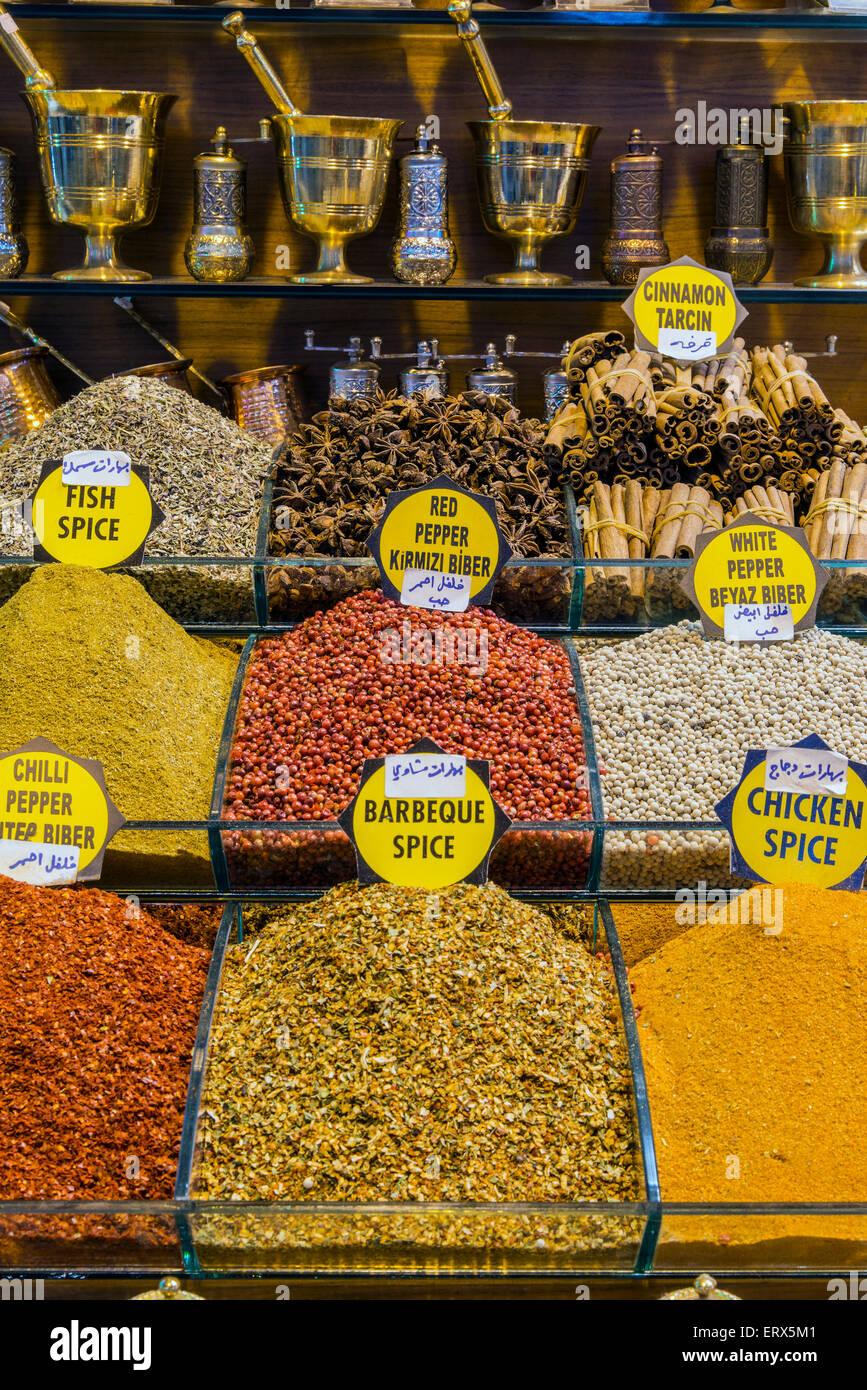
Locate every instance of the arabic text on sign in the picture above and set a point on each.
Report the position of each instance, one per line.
(91, 466)
(806, 770)
(425, 774)
(34, 861)
(758, 622)
(450, 593)
(685, 345)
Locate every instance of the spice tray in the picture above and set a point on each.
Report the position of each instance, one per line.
(627, 597)
(538, 592)
(202, 1238)
(309, 855)
(412, 1237)
(297, 858)
(93, 1237)
(211, 594)
(263, 592)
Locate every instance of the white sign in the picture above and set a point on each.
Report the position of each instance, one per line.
(758, 622)
(684, 346)
(86, 466)
(806, 770)
(32, 861)
(425, 774)
(430, 589)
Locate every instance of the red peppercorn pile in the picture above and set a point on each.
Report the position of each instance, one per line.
(320, 699)
(98, 1013)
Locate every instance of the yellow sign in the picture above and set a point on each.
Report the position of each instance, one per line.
(99, 525)
(782, 835)
(439, 547)
(754, 569)
(56, 802)
(684, 310)
(422, 837)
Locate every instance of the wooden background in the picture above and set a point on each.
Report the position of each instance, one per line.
(616, 80)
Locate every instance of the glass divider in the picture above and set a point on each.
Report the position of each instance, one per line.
(647, 1250)
(219, 866)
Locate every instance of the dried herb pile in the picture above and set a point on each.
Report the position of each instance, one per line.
(390, 1044)
(89, 661)
(755, 1052)
(206, 474)
(98, 1011)
(337, 470)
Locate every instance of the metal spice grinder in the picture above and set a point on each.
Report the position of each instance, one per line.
(423, 252)
(219, 248)
(739, 241)
(634, 235)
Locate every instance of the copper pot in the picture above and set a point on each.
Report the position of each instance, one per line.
(171, 373)
(268, 401)
(27, 393)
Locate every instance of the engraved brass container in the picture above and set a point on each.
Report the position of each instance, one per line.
(333, 169)
(739, 240)
(27, 394)
(172, 373)
(219, 248)
(268, 401)
(531, 175)
(825, 155)
(13, 247)
(100, 158)
(634, 235)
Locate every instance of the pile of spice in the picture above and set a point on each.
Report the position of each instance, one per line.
(90, 662)
(206, 474)
(755, 1053)
(386, 1043)
(336, 471)
(335, 690)
(98, 1013)
(645, 927)
(674, 714)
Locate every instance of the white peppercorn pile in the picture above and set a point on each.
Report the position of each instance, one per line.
(674, 715)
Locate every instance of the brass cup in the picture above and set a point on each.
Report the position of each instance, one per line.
(826, 185)
(333, 174)
(531, 177)
(100, 157)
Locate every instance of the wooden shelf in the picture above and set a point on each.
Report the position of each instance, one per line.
(590, 291)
